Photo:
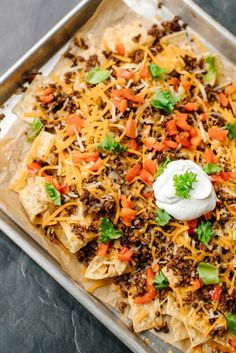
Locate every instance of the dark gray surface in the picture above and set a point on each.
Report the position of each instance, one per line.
(36, 314)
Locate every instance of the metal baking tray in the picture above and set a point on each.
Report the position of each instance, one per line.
(220, 40)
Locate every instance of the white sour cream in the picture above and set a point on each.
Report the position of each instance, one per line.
(202, 197)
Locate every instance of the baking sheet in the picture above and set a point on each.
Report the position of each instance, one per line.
(22, 220)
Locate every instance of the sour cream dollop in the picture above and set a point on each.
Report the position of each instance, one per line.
(202, 197)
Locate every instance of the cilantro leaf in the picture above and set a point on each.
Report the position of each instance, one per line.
(164, 100)
(107, 231)
(183, 184)
(97, 75)
(156, 71)
(162, 217)
(212, 168)
(204, 231)
(231, 322)
(53, 193)
(232, 130)
(160, 281)
(210, 77)
(208, 273)
(162, 167)
(111, 145)
(36, 127)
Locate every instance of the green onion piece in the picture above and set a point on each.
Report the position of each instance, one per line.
(164, 100)
(162, 217)
(36, 127)
(211, 168)
(162, 167)
(160, 281)
(210, 77)
(232, 130)
(53, 194)
(107, 231)
(97, 75)
(208, 273)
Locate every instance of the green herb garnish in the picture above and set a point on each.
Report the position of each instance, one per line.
(183, 184)
(231, 322)
(97, 75)
(162, 167)
(156, 71)
(210, 77)
(212, 168)
(111, 145)
(160, 281)
(162, 217)
(208, 273)
(107, 231)
(204, 231)
(53, 193)
(164, 100)
(36, 127)
(232, 130)
(234, 236)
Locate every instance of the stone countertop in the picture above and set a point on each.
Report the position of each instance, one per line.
(36, 314)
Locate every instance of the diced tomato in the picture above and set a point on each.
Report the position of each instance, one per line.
(48, 91)
(128, 94)
(192, 131)
(196, 140)
(49, 179)
(63, 188)
(223, 100)
(182, 123)
(148, 194)
(223, 176)
(74, 122)
(127, 215)
(171, 128)
(174, 82)
(208, 216)
(120, 49)
(144, 73)
(170, 144)
(233, 343)
(133, 172)
(203, 117)
(217, 134)
(187, 85)
(160, 146)
(102, 249)
(125, 254)
(120, 103)
(146, 298)
(34, 167)
(210, 157)
(132, 145)
(131, 128)
(150, 166)
(125, 74)
(78, 157)
(191, 226)
(229, 90)
(125, 202)
(216, 292)
(47, 99)
(197, 284)
(233, 208)
(97, 165)
(149, 280)
(218, 202)
(146, 177)
(191, 106)
(149, 143)
(179, 115)
(183, 139)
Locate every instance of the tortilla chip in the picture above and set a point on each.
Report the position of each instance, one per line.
(27, 103)
(34, 198)
(103, 267)
(179, 329)
(172, 279)
(144, 317)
